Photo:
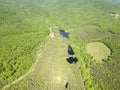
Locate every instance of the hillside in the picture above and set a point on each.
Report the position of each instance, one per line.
(24, 25)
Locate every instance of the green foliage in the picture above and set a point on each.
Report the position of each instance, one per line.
(85, 12)
(95, 17)
(21, 32)
(85, 64)
(103, 76)
(24, 25)
(107, 74)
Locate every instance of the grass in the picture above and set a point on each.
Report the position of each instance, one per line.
(98, 51)
(21, 32)
(52, 72)
(24, 25)
(98, 76)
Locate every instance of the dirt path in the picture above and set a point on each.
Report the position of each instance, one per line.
(52, 71)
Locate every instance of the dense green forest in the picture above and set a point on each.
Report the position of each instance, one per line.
(22, 30)
(25, 24)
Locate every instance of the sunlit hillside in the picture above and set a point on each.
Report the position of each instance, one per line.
(24, 33)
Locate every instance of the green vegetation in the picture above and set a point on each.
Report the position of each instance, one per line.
(98, 76)
(21, 31)
(98, 51)
(25, 24)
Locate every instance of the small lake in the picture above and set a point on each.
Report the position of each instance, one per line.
(64, 34)
(72, 60)
(116, 0)
(70, 50)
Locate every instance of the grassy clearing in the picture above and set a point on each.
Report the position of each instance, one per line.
(98, 51)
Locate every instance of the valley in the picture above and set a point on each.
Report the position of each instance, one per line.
(79, 52)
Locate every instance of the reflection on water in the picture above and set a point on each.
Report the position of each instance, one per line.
(72, 60)
(70, 50)
(64, 34)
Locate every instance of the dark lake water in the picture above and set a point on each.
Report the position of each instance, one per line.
(72, 60)
(70, 50)
(64, 34)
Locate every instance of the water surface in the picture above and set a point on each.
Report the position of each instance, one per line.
(64, 34)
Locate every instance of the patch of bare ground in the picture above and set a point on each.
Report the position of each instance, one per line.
(98, 50)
